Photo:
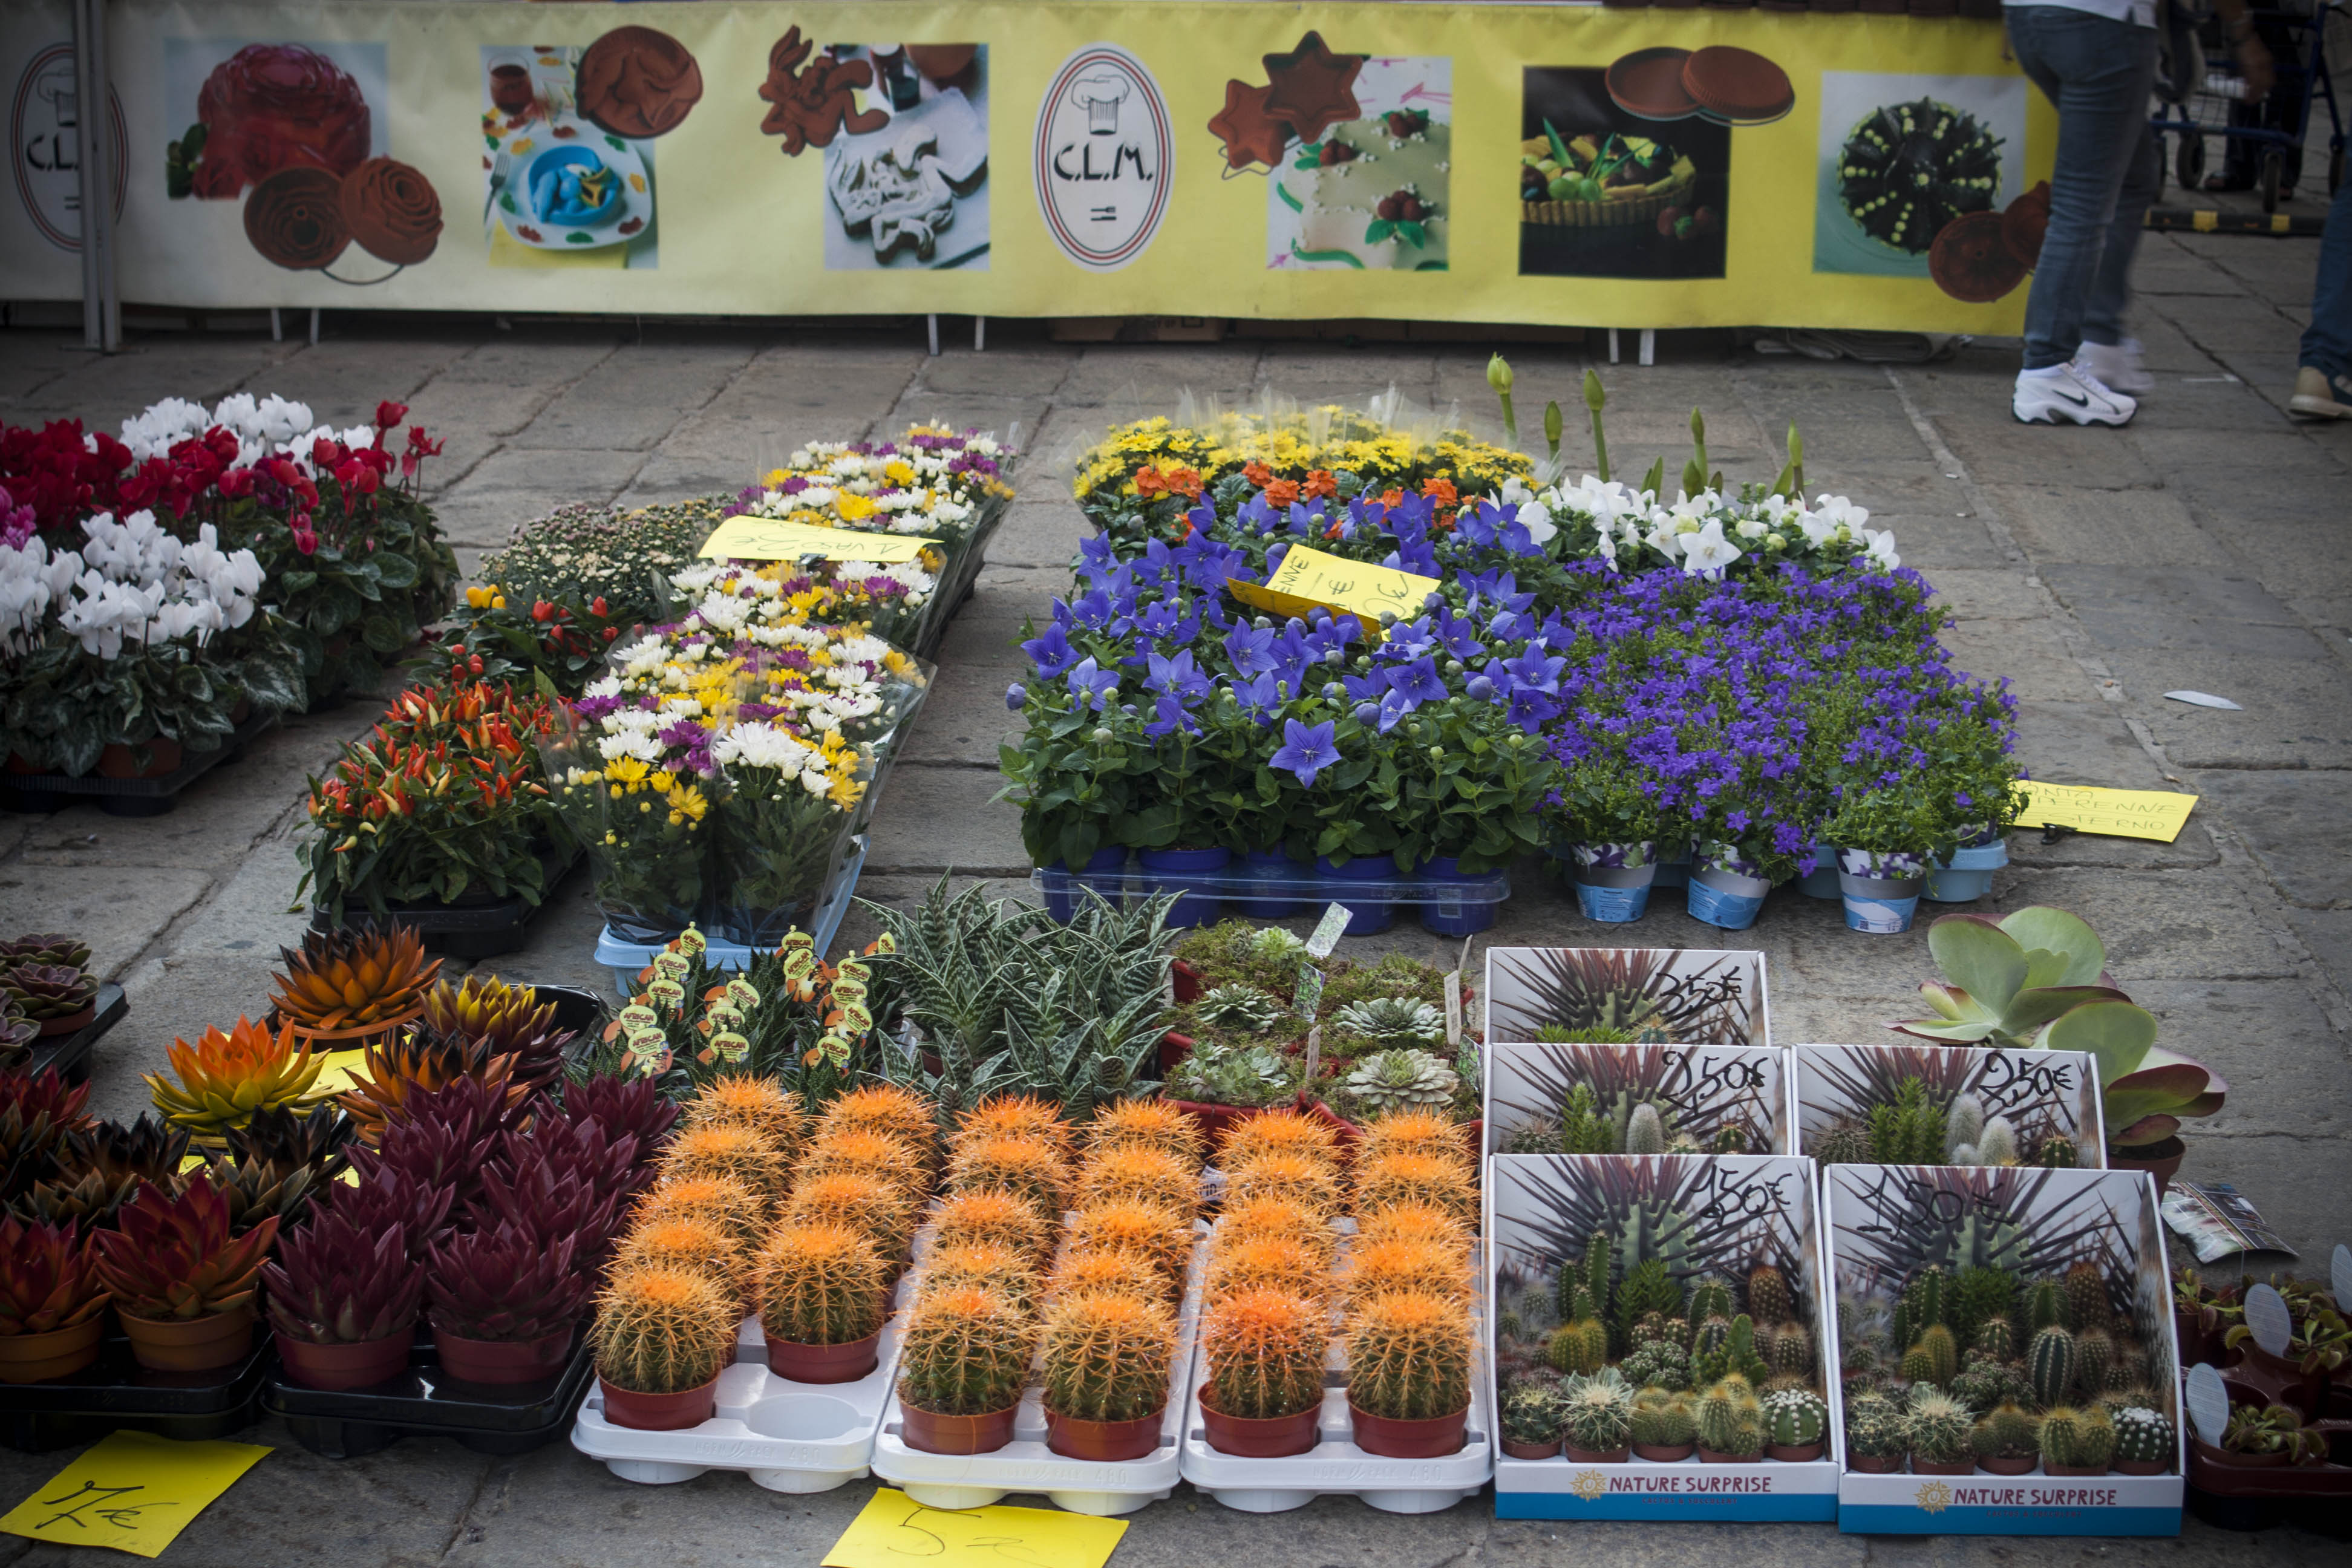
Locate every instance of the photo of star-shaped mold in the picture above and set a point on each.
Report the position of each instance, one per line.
(1359, 180)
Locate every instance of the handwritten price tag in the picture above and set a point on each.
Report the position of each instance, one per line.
(774, 539)
(2121, 813)
(132, 1492)
(1355, 586)
(896, 1532)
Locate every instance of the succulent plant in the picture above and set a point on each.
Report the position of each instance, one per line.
(1980, 1295)
(2272, 1429)
(505, 1283)
(422, 1060)
(1391, 1021)
(1149, 1175)
(964, 1351)
(1013, 1275)
(1984, 1384)
(2007, 1431)
(445, 1137)
(2045, 1305)
(332, 1284)
(2143, 1436)
(511, 1018)
(761, 1104)
(1106, 1357)
(1388, 1079)
(1409, 1356)
(2049, 1366)
(385, 1198)
(2058, 1152)
(176, 1257)
(1770, 1300)
(687, 1242)
(1730, 1417)
(1876, 1428)
(1238, 1074)
(605, 1162)
(1023, 1116)
(991, 1218)
(1427, 1181)
(48, 1278)
(1648, 1290)
(2080, 1439)
(1662, 1418)
(315, 1140)
(53, 948)
(1412, 1130)
(820, 1285)
(1729, 1353)
(47, 992)
(354, 977)
(1378, 1268)
(885, 1109)
(225, 1078)
(37, 1111)
(1927, 1300)
(1295, 1179)
(2095, 1357)
(1597, 1410)
(262, 1191)
(528, 1186)
(860, 1150)
(1844, 1143)
(634, 1106)
(663, 1331)
(728, 1150)
(1657, 1363)
(1937, 1426)
(1710, 1296)
(1577, 1346)
(1240, 1010)
(1267, 1263)
(148, 1150)
(1532, 1414)
(1158, 1235)
(1145, 1124)
(1794, 1417)
(81, 1203)
(1033, 1172)
(17, 1034)
(1285, 1132)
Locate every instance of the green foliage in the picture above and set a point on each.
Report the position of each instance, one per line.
(1731, 1418)
(1250, 1075)
(2058, 1152)
(1710, 1298)
(1942, 1353)
(2045, 1305)
(1792, 1351)
(1926, 1301)
(1983, 1384)
(1908, 1130)
(2049, 1366)
(1647, 1288)
(1657, 1363)
(1978, 1294)
(1582, 1130)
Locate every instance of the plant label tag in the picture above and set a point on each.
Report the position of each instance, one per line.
(1307, 999)
(1354, 585)
(1454, 1011)
(2208, 1404)
(2339, 1277)
(2268, 1319)
(1313, 1053)
(774, 539)
(1328, 932)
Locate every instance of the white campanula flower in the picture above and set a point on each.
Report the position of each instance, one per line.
(1880, 547)
(1707, 550)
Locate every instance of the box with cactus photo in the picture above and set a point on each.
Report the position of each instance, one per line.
(1656, 1339)
(2005, 1343)
(1626, 995)
(1549, 1098)
(1948, 1105)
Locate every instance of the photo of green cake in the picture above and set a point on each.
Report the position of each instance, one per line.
(1373, 193)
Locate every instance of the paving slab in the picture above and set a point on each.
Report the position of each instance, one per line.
(518, 484)
(2271, 1043)
(2145, 527)
(2180, 608)
(2183, 925)
(2293, 713)
(635, 398)
(2298, 825)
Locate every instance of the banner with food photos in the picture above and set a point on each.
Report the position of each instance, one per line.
(1542, 165)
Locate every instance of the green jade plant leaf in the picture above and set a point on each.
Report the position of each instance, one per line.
(2004, 981)
(2146, 1090)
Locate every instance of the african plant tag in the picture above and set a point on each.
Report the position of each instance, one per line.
(1327, 930)
(798, 963)
(668, 993)
(1307, 999)
(637, 1016)
(721, 1017)
(854, 1014)
(885, 943)
(742, 995)
(690, 943)
(845, 990)
(730, 1045)
(836, 1049)
(856, 969)
(672, 966)
(797, 942)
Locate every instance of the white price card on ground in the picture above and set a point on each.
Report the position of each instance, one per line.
(2153, 813)
(774, 539)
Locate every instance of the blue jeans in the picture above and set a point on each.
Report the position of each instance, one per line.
(2098, 72)
(2327, 343)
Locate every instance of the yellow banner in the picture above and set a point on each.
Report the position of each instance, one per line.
(2159, 814)
(1571, 164)
(774, 539)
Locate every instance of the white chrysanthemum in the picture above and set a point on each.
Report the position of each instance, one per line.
(604, 686)
(760, 744)
(629, 744)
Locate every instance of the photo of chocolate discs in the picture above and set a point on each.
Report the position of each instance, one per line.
(1648, 84)
(1738, 87)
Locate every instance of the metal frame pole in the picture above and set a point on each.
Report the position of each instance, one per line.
(101, 309)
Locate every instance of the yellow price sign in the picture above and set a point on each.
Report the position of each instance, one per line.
(774, 539)
(896, 1532)
(132, 1492)
(338, 1072)
(1288, 604)
(1357, 586)
(2153, 813)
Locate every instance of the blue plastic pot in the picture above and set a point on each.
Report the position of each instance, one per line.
(1726, 899)
(1968, 875)
(1454, 917)
(1614, 894)
(1823, 882)
(1879, 906)
(1190, 909)
(1280, 875)
(1064, 902)
(1673, 873)
(1363, 919)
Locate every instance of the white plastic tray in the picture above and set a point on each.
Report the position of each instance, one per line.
(1335, 1465)
(1027, 1464)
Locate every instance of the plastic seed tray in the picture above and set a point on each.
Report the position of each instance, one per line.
(116, 1394)
(1027, 1464)
(69, 1054)
(1309, 887)
(425, 1401)
(1336, 1465)
(484, 929)
(127, 797)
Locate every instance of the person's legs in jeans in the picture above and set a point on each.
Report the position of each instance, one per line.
(2326, 347)
(2103, 308)
(2098, 72)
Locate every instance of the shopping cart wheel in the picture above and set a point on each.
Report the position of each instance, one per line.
(2188, 162)
(2273, 169)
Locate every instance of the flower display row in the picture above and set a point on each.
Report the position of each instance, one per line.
(1746, 678)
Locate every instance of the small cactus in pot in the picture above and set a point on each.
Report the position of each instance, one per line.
(1409, 1357)
(964, 1358)
(819, 1285)
(1107, 1363)
(2050, 1364)
(662, 1338)
(2076, 1442)
(1663, 1425)
(2145, 1441)
(1938, 1429)
(1877, 1430)
(1796, 1422)
(1264, 1351)
(2006, 1440)
(1580, 1347)
(1597, 1415)
(1731, 1421)
(1534, 1423)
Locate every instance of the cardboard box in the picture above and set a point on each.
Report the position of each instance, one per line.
(1695, 996)
(2040, 1093)
(1721, 1214)
(1701, 1090)
(1887, 1221)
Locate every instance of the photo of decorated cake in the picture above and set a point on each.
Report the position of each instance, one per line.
(1909, 169)
(1371, 192)
(1600, 178)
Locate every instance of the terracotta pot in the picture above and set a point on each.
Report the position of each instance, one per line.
(72, 1022)
(825, 1363)
(1597, 1456)
(501, 1361)
(361, 1364)
(1103, 1442)
(955, 1434)
(2017, 1467)
(2050, 1469)
(1795, 1453)
(116, 762)
(321, 1041)
(2143, 1467)
(18, 762)
(190, 1344)
(1215, 1121)
(1875, 1464)
(2161, 1160)
(659, 1412)
(1278, 1437)
(2212, 1456)
(61, 1353)
(1518, 1450)
(1708, 1455)
(1664, 1453)
(1930, 1468)
(1433, 1438)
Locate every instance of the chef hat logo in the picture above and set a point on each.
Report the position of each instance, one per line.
(1100, 94)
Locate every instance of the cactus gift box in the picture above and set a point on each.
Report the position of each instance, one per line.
(2004, 1340)
(1674, 1308)
(1626, 995)
(1948, 1105)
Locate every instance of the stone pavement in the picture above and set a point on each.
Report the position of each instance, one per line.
(2097, 570)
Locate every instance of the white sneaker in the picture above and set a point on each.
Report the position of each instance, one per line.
(2069, 392)
(2318, 396)
(2117, 366)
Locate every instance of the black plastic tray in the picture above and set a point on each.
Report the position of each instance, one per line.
(469, 929)
(126, 797)
(116, 1393)
(69, 1054)
(424, 1402)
